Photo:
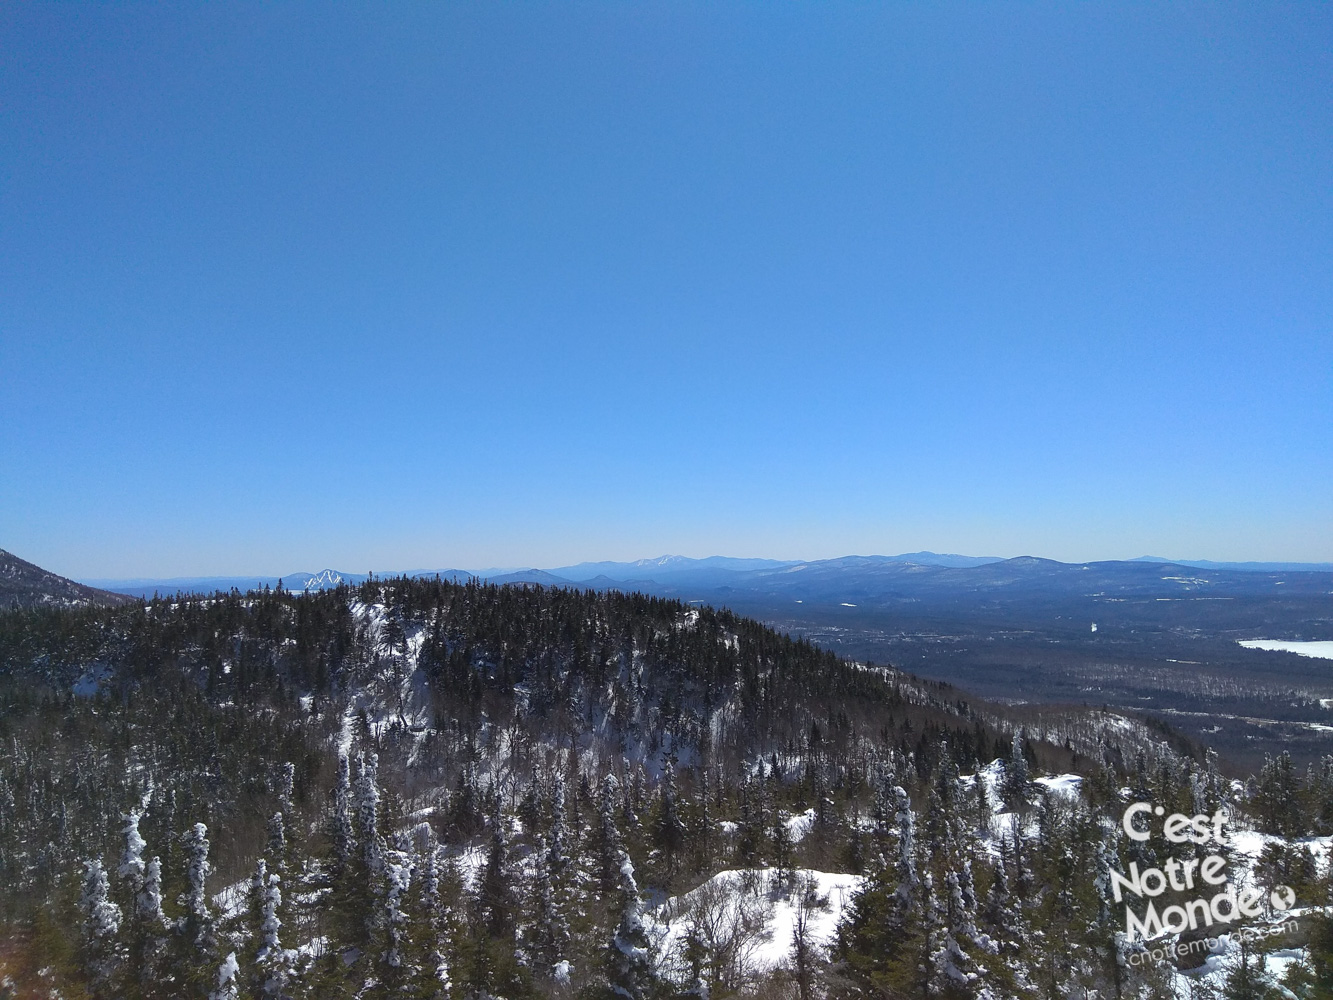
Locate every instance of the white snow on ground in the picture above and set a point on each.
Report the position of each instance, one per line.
(1250, 845)
(1062, 784)
(471, 863)
(756, 911)
(1218, 965)
(91, 681)
(991, 776)
(231, 901)
(399, 693)
(799, 825)
(1322, 650)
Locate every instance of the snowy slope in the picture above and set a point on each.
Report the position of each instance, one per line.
(751, 915)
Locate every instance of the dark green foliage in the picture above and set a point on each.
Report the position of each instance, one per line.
(553, 743)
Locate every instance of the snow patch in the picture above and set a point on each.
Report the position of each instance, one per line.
(756, 908)
(1322, 650)
(91, 680)
(1061, 784)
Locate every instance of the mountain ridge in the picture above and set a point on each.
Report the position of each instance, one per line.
(670, 569)
(24, 585)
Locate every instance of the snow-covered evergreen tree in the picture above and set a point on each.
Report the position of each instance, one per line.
(609, 845)
(550, 930)
(101, 922)
(1001, 911)
(433, 908)
(344, 835)
(629, 965)
(148, 901)
(931, 975)
(398, 881)
(149, 926)
(146, 924)
(277, 841)
(197, 925)
(132, 863)
(906, 869)
(496, 892)
(227, 988)
(286, 787)
(952, 966)
(272, 961)
(367, 813)
(557, 845)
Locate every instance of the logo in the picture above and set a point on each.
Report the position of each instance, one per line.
(1202, 876)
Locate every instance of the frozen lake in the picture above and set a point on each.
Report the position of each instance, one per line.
(1322, 649)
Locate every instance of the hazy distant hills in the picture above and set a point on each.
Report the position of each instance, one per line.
(713, 571)
(1245, 567)
(845, 580)
(877, 579)
(666, 566)
(325, 579)
(23, 585)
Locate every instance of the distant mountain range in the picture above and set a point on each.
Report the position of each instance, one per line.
(1245, 567)
(713, 571)
(845, 580)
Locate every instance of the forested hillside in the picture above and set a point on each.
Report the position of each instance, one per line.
(24, 585)
(422, 788)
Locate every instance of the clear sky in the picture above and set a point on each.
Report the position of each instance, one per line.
(392, 286)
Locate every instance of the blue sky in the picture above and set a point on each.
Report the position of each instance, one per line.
(285, 286)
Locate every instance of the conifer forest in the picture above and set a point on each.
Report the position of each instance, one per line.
(416, 788)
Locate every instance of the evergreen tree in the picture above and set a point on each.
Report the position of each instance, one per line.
(151, 922)
(226, 979)
(905, 911)
(953, 970)
(609, 845)
(101, 924)
(272, 961)
(629, 966)
(1001, 911)
(550, 934)
(367, 814)
(496, 898)
(197, 925)
(1276, 800)
(398, 872)
(557, 844)
(783, 846)
(146, 926)
(1247, 979)
(433, 909)
(277, 842)
(344, 836)
(669, 829)
(132, 864)
(1016, 775)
